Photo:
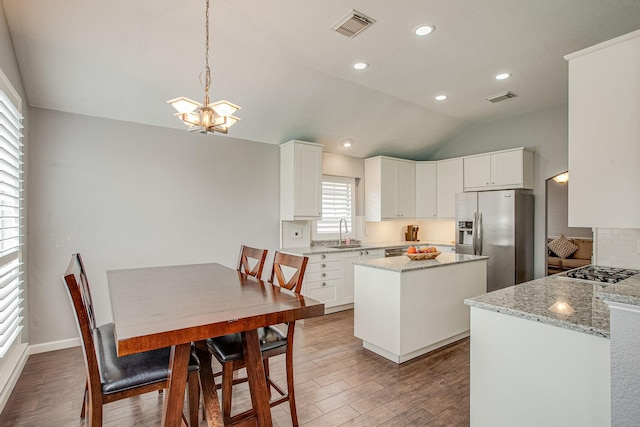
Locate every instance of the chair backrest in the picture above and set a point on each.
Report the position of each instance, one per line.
(75, 279)
(247, 252)
(299, 263)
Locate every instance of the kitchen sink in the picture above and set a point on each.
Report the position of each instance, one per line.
(354, 245)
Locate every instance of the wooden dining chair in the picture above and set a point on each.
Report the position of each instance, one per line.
(109, 377)
(247, 253)
(228, 349)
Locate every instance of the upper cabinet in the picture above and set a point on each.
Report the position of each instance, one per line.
(389, 188)
(449, 182)
(499, 170)
(604, 135)
(300, 181)
(426, 190)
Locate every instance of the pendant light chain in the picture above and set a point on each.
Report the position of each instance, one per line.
(207, 70)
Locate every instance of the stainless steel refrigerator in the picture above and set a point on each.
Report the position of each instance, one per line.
(498, 224)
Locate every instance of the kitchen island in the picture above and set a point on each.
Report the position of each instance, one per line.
(540, 355)
(405, 308)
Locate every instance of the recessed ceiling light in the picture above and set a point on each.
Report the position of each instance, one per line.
(503, 76)
(347, 143)
(360, 65)
(441, 97)
(423, 30)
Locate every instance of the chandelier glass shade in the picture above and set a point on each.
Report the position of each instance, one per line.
(206, 117)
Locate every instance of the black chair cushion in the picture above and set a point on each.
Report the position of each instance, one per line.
(123, 373)
(229, 347)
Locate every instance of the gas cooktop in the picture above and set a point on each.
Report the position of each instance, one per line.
(601, 274)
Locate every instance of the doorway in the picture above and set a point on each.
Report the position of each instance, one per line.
(557, 226)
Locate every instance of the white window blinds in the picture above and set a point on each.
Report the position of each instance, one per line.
(11, 271)
(337, 203)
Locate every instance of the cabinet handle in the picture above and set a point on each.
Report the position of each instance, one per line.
(323, 256)
(323, 284)
(323, 265)
(323, 274)
(366, 252)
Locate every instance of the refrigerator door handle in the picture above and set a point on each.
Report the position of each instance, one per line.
(479, 233)
(474, 232)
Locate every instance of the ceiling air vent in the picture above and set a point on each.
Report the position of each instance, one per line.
(353, 24)
(501, 96)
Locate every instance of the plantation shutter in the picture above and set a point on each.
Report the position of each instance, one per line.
(11, 234)
(337, 203)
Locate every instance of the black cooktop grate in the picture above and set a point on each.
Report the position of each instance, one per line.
(602, 274)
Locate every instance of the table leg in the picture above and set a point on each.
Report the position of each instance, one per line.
(208, 387)
(174, 398)
(257, 377)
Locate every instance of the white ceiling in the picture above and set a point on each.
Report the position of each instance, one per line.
(292, 75)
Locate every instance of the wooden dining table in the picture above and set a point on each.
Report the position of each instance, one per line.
(175, 306)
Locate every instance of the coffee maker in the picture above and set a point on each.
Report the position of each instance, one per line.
(411, 234)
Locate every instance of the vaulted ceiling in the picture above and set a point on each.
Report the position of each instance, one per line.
(291, 73)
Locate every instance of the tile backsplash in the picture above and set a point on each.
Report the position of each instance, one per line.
(617, 247)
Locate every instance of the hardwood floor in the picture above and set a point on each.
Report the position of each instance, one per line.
(338, 383)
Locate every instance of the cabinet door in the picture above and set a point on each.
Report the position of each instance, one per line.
(604, 135)
(506, 169)
(477, 172)
(308, 181)
(450, 182)
(349, 258)
(405, 189)
(388, 195)
(348, 296)
(426, 190)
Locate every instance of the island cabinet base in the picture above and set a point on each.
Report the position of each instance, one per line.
(403, 315)
(525, 373)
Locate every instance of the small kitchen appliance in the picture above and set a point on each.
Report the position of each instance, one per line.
(412, 233)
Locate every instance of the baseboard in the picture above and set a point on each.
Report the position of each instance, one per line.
(14, 364)
(54, 345)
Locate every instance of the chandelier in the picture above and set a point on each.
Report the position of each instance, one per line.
(206, 117)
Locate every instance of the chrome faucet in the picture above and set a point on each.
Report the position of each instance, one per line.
(346, 230)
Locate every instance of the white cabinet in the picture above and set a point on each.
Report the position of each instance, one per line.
(300, 181)
(426, 190)
(389, 188)
(604, 136)
(449, 182)
(323, 279)
(349, 258)
(329, 277)
(499, 171)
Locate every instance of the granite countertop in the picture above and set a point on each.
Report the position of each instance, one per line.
(558, 301)
(626, 291)
(316, 250)
(403, 263)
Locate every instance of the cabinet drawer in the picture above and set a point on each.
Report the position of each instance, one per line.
(322, 275)
(324, 257)
(313, 267)
(325, 291)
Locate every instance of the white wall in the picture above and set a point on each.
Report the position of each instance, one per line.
(128, 195)
(545, 132)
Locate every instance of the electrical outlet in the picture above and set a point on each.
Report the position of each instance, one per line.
(296, 233)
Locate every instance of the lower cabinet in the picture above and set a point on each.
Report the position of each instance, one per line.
(329, 277)
(349, 258)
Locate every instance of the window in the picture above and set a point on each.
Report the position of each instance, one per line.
(11, 271)
(337, 203)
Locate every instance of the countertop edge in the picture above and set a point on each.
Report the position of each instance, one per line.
(537, 318)
(416, 266)
(320, 250)
(616, 297)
